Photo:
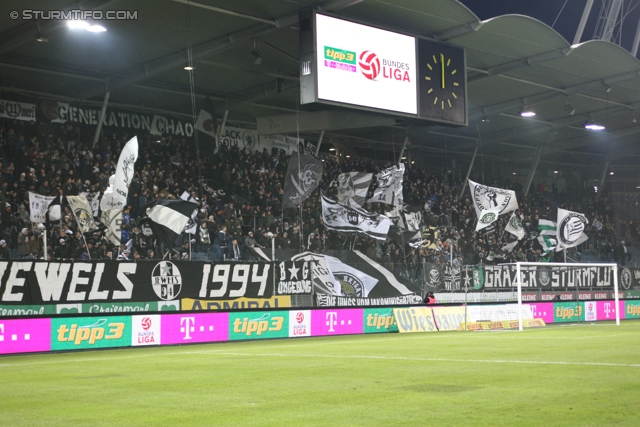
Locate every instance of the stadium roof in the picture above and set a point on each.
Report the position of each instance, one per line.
(513, 62)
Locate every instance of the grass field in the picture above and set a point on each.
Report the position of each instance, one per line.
(583, 375)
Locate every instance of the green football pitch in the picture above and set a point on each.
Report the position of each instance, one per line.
(583, 375)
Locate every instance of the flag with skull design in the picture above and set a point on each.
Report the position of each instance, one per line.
(303, 176)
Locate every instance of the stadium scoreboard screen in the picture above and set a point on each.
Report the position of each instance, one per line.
(357, 66)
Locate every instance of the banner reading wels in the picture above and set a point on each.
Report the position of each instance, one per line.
(25, 336)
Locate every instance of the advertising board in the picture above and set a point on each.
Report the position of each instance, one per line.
(258, 324)
(336, 322)
(299, 323)
(194, 328)
(378, 320)
(75, 333)
(25, 336)
(415, 319)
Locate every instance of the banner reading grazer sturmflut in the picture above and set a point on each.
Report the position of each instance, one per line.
(40, 282)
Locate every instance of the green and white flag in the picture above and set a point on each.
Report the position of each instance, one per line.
(547, 242)
(514, 226)
(487, 217)
(547, 227)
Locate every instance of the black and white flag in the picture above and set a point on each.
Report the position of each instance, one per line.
(54, 211)
(389, 189)
(82, 212)
(168, 218)
(347, 219)
(413, 216)
(192, 225)
(570, 229)
(112, 219)
(497, 200)
(94, 201)
(303, 176)
(598, 224)
(514, 226)
(353, 188)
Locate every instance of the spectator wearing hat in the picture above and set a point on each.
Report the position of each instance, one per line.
(4, 252)
(23, 243)
(62, 250)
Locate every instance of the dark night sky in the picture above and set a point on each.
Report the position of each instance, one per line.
(567, 23)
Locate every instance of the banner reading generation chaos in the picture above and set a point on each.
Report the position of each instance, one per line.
(41, 282)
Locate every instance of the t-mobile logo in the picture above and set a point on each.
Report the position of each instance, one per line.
(187, 325)
(607, 309)
(332, 320)
(14, 337)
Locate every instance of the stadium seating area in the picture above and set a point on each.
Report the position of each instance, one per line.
(241, 193)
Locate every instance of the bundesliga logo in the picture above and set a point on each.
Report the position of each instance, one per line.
(371, 67)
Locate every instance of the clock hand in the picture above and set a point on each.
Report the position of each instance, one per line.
(442, 66)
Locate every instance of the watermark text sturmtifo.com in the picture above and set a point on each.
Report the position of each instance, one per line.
(74, 15)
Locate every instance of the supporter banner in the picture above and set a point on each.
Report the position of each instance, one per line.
(283, 301)
(568, 312)
(145, 330)
(259, 324)
(63, 112)
(293, 278)
(17, 110)
(448, 318)
(90, 332)
(249, 139)
(194, 328)
(336, 322)
(300, 323)
(25, 336)
(415, 319)
(379, 320)
(34, 283)
(325, 300)
(629, 278)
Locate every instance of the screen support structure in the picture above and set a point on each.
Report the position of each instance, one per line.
(519, 266)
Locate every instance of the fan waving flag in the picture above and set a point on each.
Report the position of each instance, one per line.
(486, 218)
(206, 123)
(497, 199)
(347, 219)
(353, 187)
(168, 218)
(547, 227)
(389, 189)
(570, 230)
(303, 176)
(82, 212)
(514, 226)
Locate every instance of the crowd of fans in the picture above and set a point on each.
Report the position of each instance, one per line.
(240, 203)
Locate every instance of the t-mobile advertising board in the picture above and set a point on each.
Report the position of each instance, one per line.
(25, 336)
(194, 328)
(337, 322)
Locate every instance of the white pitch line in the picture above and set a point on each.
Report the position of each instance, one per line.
(433, 359)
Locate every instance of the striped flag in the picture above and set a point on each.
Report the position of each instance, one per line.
(598, 224)
(547, 227)
(168, 218)
(353, 188)
(571, 229)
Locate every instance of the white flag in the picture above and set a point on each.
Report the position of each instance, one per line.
(38, 206)
(486, 218)
(570, 229)
(112, 219)
(115, 197)
(206, 124)
(82, 211)
(509, 247)
(94, 201)
(514, 226)
(389, 189)
(498, 199)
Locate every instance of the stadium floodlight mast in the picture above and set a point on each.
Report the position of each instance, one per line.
(519, 266)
